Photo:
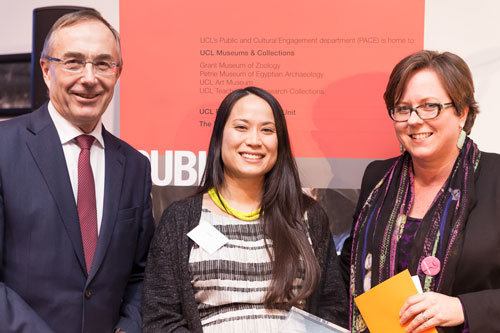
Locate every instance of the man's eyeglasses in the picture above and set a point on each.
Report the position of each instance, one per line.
(425, 111)
(75, 65)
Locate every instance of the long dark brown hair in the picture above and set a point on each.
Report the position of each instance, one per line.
(283, 204)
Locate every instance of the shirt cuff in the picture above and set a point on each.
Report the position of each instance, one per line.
(465, 324)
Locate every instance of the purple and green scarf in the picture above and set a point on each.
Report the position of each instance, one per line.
(381, 222)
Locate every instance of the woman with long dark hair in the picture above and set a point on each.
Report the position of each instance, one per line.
(279, 252)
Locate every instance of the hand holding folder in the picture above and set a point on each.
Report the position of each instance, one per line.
(380, 305)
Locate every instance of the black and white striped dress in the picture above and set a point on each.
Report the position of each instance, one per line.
(230, 285)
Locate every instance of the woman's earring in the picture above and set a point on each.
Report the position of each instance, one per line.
(461, 138)
(401, 148)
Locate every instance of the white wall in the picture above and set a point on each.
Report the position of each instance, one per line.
(16, 17)
(469, 28)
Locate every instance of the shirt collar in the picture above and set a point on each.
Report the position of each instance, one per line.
(67, 131)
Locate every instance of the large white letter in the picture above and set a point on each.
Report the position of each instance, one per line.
(155, 168)
(202, 160)
(179, 167)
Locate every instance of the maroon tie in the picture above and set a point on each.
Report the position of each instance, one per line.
(87, 212)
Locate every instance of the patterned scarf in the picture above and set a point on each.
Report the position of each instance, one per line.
(382, 219)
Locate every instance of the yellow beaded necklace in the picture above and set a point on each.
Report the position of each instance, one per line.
(222, 204)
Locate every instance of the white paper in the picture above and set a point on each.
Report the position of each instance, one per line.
(299, 321)
(208, 237)
(416, 282)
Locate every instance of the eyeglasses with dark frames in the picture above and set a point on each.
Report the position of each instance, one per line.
(75, 65)
(425, 111)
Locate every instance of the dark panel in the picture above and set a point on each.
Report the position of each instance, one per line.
(15, 84)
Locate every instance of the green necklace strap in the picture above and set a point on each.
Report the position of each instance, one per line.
(222, 204)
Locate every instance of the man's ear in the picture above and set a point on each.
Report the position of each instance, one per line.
(47, 75)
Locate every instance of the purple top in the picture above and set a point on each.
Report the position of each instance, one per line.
(404, 247)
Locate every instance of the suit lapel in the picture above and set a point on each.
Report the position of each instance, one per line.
(113, 179)
(45, 147)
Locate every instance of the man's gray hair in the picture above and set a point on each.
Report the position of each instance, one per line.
(74, 18)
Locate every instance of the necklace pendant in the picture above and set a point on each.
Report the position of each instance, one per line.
(400, 225)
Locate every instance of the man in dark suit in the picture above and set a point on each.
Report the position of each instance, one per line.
(75, 203)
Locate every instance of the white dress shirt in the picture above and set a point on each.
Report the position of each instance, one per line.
(67, 133)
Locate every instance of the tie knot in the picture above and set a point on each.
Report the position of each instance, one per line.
(85, 141)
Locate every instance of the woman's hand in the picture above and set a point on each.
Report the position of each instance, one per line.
(431, 309)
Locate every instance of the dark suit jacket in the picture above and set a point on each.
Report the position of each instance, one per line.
(44, 286)
(477, 281)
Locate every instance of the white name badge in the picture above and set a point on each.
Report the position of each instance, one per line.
(208, 237)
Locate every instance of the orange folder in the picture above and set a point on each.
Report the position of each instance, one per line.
(380, 305)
